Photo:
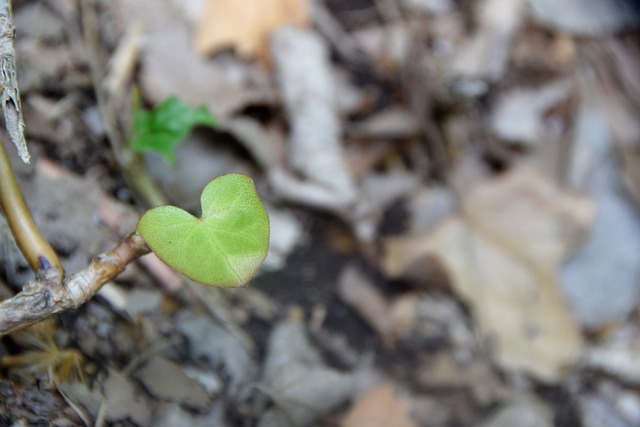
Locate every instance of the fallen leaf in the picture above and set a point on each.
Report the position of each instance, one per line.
(403, 313)
(519, 116)
(246, 24)
(123, 400)
(305, 387)
(435, 7)
(597, 411)
(286, 234)
(606, 266)
(618, 355)
(172, 414)
(230, 85)
(81, 397)
(591, 19)
(318, 173)
(525, 411)
(360, 294)
(379, 407)
(392, 122)
(444, 372)
(220, 347)
(432, 411)
(168, 380)
(502, 255)
(484, 55)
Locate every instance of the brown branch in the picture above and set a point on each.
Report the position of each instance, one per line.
(36, 250)
(10, 95)
(45, 296)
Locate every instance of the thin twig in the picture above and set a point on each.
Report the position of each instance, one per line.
(340, 40)
(131, 163)
(10, 96)
(389, 9)
(33, 246)
(44, 296)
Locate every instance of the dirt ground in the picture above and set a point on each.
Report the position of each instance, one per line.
(452, 187)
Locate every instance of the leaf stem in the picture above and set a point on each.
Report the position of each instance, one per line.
(38, 253)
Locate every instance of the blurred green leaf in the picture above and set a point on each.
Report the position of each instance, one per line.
(164, 127)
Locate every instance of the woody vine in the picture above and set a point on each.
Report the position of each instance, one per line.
(224, 247)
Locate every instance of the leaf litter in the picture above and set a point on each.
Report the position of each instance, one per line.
(452, 196)
(505, 267)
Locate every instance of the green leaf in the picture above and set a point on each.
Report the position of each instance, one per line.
(225, 247)
(164, 127)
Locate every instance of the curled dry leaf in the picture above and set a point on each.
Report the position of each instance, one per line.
(246, 24)
(223, 85)
(303, 71)
(502, 255)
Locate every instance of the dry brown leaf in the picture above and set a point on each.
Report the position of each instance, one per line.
(475, 375)
(502, 255)
(359, 293)
(246, 24)
(379, 407)
(485, 54)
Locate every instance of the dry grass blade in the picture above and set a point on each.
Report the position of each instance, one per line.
(45, 355)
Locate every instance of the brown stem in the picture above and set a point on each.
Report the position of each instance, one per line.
(45, 296)
(10, 94)
(130, 162)
(33, 246)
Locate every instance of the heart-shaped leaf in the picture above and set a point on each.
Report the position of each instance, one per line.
(224, 247)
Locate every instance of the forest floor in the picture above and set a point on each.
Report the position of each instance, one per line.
(452, 188)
